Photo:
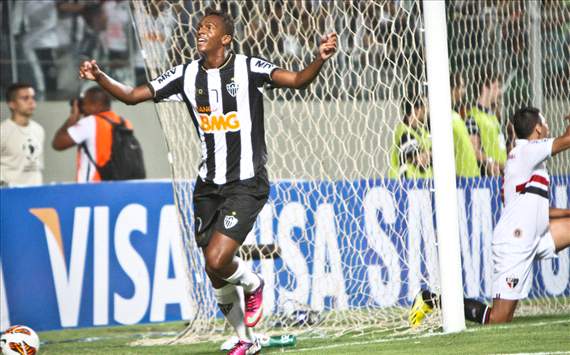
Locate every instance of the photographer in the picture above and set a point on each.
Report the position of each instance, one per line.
(107, 149)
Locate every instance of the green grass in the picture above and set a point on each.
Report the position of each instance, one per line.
(526, 334)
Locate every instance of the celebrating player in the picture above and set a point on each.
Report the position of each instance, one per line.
(527, 230)
(222, 92)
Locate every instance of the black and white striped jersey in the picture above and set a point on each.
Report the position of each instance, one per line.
(226, 107)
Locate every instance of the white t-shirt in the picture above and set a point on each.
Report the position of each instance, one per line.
(84, 131)
(21, 153)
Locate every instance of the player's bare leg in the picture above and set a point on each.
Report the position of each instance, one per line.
(502, 311)
(221, 264)
(560, 231)
(219, 256)
(221, 261)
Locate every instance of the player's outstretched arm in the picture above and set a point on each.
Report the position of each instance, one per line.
(89, 70)
(300, 79)
(562, 143)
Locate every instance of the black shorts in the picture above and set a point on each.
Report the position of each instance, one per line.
(230, 209)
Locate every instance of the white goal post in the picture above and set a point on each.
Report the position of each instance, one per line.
(439, 92)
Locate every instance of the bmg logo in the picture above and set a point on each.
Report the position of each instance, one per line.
(220, 123)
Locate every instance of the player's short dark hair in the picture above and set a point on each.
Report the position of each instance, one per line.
(226, 19)
(99, 95)
(13, 89)
(524, 120)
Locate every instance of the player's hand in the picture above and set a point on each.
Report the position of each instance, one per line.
(328, 46)
(89, 70)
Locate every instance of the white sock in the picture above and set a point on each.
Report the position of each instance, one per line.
(230, 300)
(244, 277)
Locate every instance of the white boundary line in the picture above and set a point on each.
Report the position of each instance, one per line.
(469, 330)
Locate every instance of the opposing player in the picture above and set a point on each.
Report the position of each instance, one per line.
(222, 92)
(527, 230)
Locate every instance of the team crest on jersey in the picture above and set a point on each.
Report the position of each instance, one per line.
(232, 88)
(512, 282)
(230, 222)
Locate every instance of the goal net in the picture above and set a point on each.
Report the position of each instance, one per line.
(349, 228)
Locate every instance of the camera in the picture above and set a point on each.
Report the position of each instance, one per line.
(79, 100)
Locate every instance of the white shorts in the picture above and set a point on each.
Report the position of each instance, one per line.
(512, 266)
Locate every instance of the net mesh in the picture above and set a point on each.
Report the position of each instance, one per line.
(331, 149)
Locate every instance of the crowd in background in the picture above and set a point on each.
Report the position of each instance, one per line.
(48, 38)
(380, 40)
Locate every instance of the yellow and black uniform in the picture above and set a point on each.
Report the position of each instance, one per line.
(493, 142)
(409, 142)
(465, 158)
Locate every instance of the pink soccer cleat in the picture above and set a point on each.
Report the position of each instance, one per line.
(254, 306)
(243, 347)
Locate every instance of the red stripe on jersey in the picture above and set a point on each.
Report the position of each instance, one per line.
(534, 178)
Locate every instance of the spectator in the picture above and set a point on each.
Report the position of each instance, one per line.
(114, 40)
(70, 29)
(93, 133)
(21, 139)
(465, 159)
(95, 20)
(411, 151)
(36, 22)
(156, 32)
(484, 125)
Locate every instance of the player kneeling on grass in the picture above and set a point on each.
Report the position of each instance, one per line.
(223, 94)
(527, 230)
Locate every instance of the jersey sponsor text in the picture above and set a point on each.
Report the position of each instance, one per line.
(220, 123)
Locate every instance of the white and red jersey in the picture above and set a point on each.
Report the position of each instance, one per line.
(525, 170)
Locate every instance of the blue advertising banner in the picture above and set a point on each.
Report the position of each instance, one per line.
(111, 253)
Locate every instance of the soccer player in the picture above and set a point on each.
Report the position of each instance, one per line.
(527, 230)
(222, 91)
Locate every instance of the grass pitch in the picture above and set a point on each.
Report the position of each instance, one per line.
(539, 334)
